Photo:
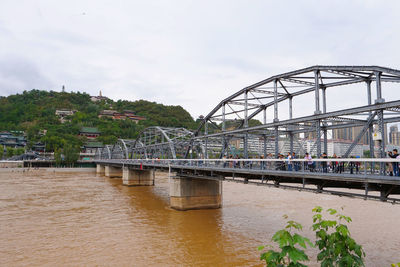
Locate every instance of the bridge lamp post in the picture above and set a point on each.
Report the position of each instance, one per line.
(291, 128)
(325, 124)
(381, 125)
(371, 127)
(246, 124)
(276, 119)
(265, 134)
(317, 111)
(206, 141)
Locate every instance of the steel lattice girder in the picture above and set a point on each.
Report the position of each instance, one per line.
(254, 99)
(156, 141)
(104, 153)
(328, 76)
(312, 118)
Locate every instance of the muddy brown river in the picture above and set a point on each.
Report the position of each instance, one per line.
(52, 218)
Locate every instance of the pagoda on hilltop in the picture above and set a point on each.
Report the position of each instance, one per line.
(98, 98)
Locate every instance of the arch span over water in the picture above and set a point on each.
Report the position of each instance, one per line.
(230, 129)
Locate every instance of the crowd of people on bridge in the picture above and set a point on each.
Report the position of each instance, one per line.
(393, 167)
(293, 162)
(287, 163)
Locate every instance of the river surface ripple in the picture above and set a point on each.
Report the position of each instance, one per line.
(80, 219)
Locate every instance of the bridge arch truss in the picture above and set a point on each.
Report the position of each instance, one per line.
(314, 93)
(230, 129)
(154, 142)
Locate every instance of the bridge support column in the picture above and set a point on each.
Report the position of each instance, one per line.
(195, 193)
(100, 169)
(137, 177)
(112, 172)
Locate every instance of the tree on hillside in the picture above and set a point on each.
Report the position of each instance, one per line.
(10, 152)
(71, 154)
(19, 151)
(57, 157)
(34, 111)
(108, 140)
(53, 141)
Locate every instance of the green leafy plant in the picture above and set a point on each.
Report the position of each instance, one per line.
(395, 264)
(290, 244)
(333, 239)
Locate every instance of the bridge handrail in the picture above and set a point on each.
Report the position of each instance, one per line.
(278, 160)
(379, 167)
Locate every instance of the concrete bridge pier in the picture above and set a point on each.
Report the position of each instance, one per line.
(113, 172)
(100, 169)
(137, 177)
(195, 193)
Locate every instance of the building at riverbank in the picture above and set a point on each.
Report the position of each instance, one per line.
(8, 139)
(125, 115)
(89, 132)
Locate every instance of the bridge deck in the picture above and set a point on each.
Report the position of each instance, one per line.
(368, 182)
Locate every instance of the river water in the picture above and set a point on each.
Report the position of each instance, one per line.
(52, 218)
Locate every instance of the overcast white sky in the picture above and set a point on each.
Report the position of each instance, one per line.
(188, 53)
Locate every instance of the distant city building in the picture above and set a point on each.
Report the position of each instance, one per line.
(256, 145)
(126, 114)
(350, 134)
(394, 135)
(98, 98)
(89, 132)
(338, 147)
(300, 146)
(63, 113)
(310, 135)
(8, 139)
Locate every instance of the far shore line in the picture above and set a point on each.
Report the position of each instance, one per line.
(48, 169)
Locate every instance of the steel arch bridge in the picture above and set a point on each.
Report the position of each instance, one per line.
(153, 142)
(292, 107)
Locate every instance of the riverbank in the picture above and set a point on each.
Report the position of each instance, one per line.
(43, 164)
(11, 164)
(37, 170)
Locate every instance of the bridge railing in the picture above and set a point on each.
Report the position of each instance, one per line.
(336, 166)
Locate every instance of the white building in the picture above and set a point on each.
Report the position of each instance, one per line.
(256, 145)
(63, 113)
(336, 147)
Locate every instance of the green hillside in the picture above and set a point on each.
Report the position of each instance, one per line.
(34, 111)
